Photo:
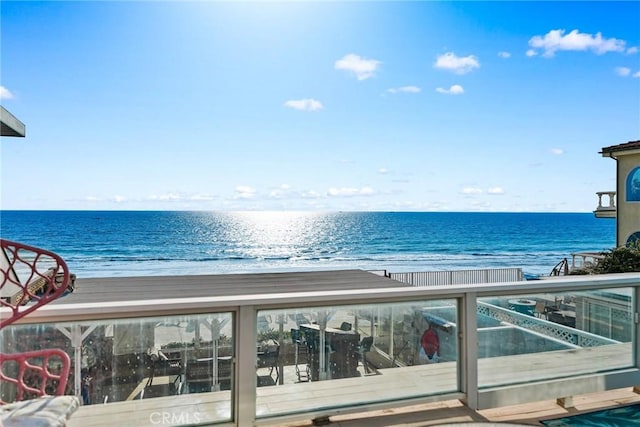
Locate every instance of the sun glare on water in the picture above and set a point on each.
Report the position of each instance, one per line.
(287, 235)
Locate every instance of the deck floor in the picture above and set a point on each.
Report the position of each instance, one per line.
(388, 385)
(453, 411)
(430, 414)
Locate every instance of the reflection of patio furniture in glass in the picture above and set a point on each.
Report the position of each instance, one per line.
(168, 371)
(365, 347)
(541, 309)
(268, 354)
(563, 317)
(341, 352)
(301, 356)
(345, 326)
(522, 305)
(199, 374)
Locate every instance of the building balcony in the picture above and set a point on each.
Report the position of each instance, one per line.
(230, 350)
(607, 210)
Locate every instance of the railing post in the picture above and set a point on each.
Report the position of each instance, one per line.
(636, 334)
(245, 398)
(468, 355)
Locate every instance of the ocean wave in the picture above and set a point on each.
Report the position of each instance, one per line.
(151, 243)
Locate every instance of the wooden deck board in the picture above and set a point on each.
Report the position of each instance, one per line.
(207, 407)
(497, 371)
(102, 290)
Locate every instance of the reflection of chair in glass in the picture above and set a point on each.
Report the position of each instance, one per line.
(541, 309)
(31, 278)
(365, 347)
(268, 356)
(345, 326)
(160, 365)
(301, 356)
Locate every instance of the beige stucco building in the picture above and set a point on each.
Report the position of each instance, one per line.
(627, 157)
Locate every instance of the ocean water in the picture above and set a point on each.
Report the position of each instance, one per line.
(125, 243)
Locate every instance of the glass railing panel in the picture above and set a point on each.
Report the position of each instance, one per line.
(176, 368)
(320, 358)
(543, 336)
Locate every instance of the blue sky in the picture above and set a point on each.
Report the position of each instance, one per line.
(317, 106)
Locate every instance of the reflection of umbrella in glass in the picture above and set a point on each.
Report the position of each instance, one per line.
(215, 325)
(191, 326)
(323, 317)
(299, 318)
(322, 359)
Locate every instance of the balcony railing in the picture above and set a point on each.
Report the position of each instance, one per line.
(267, 358)
(608, 210)
(459, 277)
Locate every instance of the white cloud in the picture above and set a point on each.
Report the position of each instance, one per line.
(383, 171)
(166, 197)
(557, 151)
(474, 191)
(453, 90)
(531, 53)
(5, 93)
(308, 104)
(459, 65)
(557, 40)
(636, 74)
(311, 194)
(178, 197)
(202, 197)
(623, 71)
(350, 192)
(632, 50)
(244, 192)
(480, 205)
(471, 190)
(280, 192)
(361, 67)
(504, 54)
(407, 89)
(118, 199)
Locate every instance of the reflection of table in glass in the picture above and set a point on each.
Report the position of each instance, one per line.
(200, 374)
(340, 352)
(562, 317)
(522, 305)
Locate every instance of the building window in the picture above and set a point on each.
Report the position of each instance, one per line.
(634, 239)
(633, 185)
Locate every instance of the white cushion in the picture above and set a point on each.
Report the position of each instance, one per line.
(49, 411)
